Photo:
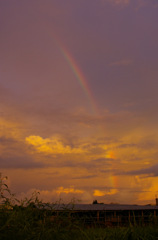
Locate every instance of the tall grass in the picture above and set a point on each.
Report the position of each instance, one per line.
(31, 219)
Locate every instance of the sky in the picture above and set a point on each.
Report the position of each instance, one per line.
(78, 99)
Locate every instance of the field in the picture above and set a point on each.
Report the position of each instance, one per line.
(30, 219)
(31, 223)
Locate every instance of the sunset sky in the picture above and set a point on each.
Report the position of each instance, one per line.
(79, 99)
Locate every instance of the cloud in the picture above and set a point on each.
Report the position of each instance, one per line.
(125, 62)
(146, 3)
(59, 195)
(68, 190)
(118, 2)
(150, 171)
(125, 145)
(99, 193)
(23, 162)
(7, 141)
(15, 155)
(51, 145)
(86, 177)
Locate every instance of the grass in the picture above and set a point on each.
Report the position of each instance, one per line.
(28, 219)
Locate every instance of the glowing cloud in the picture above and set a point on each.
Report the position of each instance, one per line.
(110, 154)
(51, 145)
(68, 190)
(99, 193)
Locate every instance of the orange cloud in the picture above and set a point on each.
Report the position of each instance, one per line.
(99, 193)
(51, 145)
(68, 190)
(9, 129)
(110, 154)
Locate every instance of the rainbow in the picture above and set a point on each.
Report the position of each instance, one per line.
(78, 74)
(113, 180)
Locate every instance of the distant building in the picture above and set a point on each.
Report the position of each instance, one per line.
(108, 214)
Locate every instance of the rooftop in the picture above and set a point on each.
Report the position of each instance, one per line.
(100, 207)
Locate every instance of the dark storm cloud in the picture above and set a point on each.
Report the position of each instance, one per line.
(144, 143)
(3, 92)
(148, 172)
(127, 145)
(76, 162)
(14, 155)
(6, 141)
(149, 142)
(60, 120)
(17, 162)
(85, 177)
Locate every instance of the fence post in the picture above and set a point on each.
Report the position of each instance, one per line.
(97, 216)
